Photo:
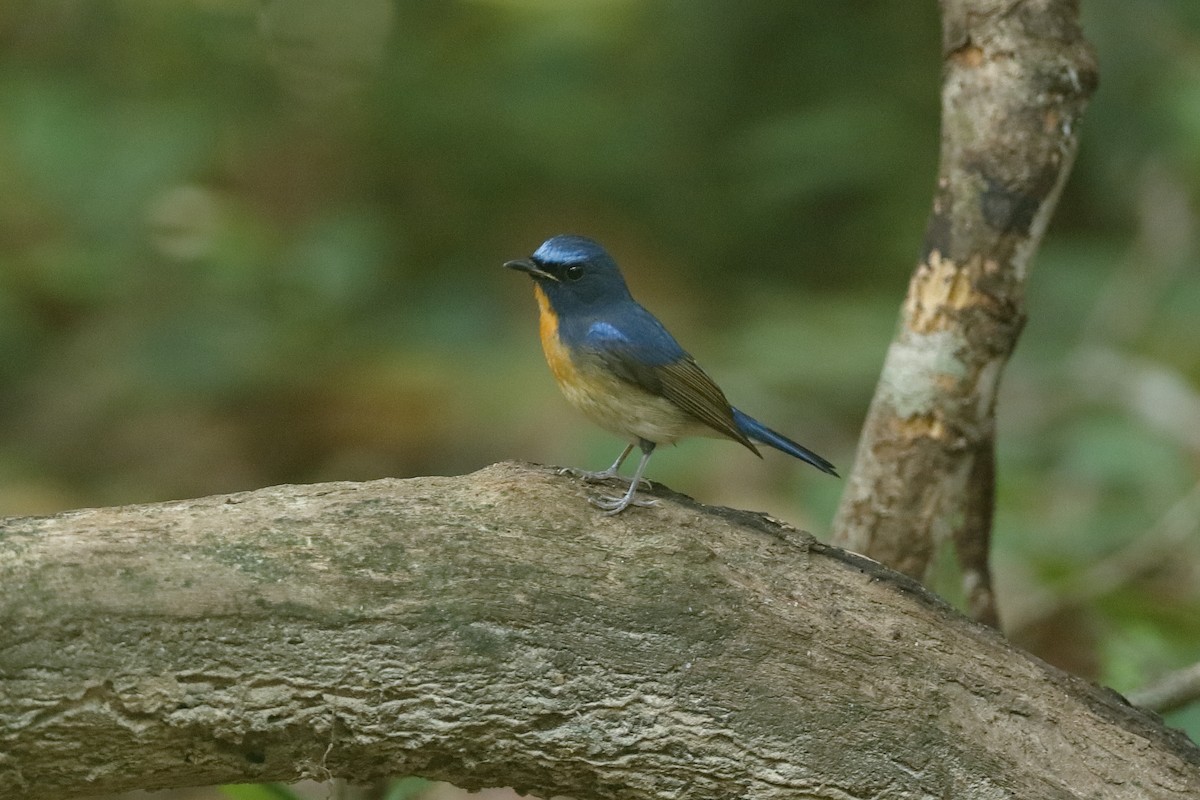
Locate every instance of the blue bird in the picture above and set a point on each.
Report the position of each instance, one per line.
(617, 364)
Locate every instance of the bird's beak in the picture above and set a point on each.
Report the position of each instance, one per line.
(525, 265)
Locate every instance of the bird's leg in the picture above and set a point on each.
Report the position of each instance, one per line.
(615, 505)
(604, 475)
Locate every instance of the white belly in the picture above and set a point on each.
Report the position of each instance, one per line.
(638, 415)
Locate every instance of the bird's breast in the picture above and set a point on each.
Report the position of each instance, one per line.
(609, 401)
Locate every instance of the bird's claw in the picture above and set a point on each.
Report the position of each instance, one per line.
(589, 477)
(600, 477)
(615, 505)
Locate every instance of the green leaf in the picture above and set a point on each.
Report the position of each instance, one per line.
(407, 788)
(259, 791)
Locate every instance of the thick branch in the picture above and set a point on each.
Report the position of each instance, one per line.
(1018, 74)
(494, 629)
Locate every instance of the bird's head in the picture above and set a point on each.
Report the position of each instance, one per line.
(575, 273)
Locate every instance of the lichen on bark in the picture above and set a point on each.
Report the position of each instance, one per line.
(1017, 76)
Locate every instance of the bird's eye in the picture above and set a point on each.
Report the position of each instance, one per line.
(574, 272)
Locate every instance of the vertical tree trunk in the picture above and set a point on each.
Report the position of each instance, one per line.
(1017, 77)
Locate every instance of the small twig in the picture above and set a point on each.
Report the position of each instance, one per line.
(1173, 690)
(1145, 553)
(1161, 399)
(1148, 390)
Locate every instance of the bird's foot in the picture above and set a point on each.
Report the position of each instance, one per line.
(609, 474)
(615, 505)
(589, 477)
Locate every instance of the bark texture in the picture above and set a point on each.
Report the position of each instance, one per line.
(1017, 76)
(493, 629)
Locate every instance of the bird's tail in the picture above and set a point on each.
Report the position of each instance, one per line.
(761, 433)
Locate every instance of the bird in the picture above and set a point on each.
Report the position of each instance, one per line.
(615, 362)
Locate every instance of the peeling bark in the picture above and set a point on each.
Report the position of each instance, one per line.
(493, 629)
(1017, 77)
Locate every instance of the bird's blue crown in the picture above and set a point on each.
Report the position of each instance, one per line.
(570, 249)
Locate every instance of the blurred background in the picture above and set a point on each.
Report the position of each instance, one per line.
(247, 243)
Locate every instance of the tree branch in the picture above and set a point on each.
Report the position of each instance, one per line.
(494, 629)
(1018, 74)
(1172, 691)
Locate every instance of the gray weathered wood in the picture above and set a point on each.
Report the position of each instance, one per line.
(494, 629)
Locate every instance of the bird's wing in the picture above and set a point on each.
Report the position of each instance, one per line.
(638, 349)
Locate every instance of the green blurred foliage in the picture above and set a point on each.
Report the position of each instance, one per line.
(258, 791)
(245, 243)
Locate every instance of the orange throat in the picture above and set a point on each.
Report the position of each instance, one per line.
(557, 355)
